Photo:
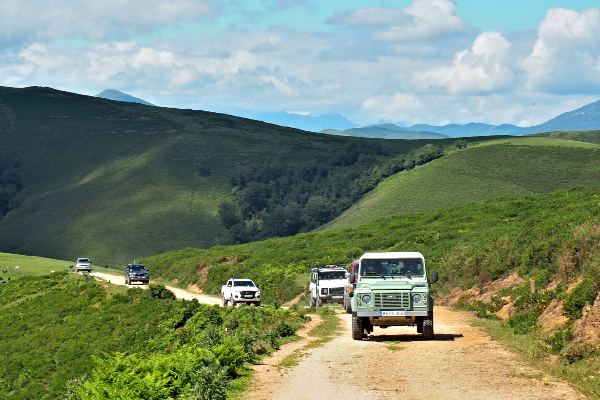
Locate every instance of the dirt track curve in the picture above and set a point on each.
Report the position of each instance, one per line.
(179, 293)
(461, 363)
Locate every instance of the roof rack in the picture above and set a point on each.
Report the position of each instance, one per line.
(328, 266)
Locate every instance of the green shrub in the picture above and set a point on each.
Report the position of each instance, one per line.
(584, 293)
(559, 340)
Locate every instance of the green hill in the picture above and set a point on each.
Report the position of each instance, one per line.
(115, 181)
(468, 245)
(505, 167)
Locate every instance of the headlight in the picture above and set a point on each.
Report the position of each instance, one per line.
(324, 291)
(417, 298)
(366, 298)
(257, 294)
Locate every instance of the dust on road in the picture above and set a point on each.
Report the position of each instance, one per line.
(461, 363)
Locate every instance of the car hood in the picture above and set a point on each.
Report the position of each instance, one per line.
(333, 283)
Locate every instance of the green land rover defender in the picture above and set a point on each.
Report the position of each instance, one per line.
(392, 290)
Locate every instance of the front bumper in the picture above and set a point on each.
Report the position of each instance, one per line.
(246, 296)
(401, 313)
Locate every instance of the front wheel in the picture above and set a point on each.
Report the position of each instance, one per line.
(233, 302)
(347, 304)
(428, 328)
(319, 302)
(224, 301)
(257, 304)
(311, 302)
(358, 331)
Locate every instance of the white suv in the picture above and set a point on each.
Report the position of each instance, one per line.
(327, 284)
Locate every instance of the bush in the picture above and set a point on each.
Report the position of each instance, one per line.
(582, 294)
(159, 291)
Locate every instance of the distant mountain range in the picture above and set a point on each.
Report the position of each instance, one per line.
(307, 122)
(386, 131)
(582, 119)
(112, 94)
(586, 118)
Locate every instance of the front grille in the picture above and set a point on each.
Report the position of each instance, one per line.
(393, 300)
(334, 291)
(245, 293)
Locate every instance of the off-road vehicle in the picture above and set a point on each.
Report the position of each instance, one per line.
(136, 273)
(83, 264)
(327, 284)
(392, 290)
(238, 290)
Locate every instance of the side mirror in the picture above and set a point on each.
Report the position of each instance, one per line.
(434, 277)
(258, 286)
(352, 278)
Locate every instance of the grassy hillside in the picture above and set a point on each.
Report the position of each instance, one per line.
(468, 245)
(504, 167)
(552, 239)
(115, 181)
(65, 336)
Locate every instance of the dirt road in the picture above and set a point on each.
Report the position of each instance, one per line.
(179, 293)
(461, 363)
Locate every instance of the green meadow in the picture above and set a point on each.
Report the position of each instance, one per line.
(503, 167)
(116, 181)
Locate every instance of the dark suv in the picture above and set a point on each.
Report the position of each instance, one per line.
(136, 273)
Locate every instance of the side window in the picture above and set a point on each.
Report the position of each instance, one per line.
(229, 284)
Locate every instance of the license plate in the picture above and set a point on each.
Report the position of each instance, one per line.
(249, 296)
(336, 297)
(392, 313)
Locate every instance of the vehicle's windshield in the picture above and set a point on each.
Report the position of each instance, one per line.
(83, 260)
(392, 267)
(137, 268)
(332, 275)
(244, 283)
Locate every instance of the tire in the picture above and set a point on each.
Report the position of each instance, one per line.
(420, 328)
(224, 301)
(257, 304)
(358, 331)
(347, 304)
(428, 328)
(233, 302)
(319, 302)
(311, 302)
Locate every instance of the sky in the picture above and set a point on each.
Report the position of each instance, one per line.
(401, 61)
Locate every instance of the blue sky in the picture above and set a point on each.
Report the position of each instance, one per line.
(402, 61)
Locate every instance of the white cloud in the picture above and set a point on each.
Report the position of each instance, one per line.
(420, 64)
(369, 16)
(94, 20)
(392, 107)
(481, 69)
(566, 55)
(424, 19)
(430, 19)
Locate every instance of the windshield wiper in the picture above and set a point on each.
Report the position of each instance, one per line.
(374, 273)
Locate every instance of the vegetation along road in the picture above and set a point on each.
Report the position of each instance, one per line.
(461, 363)
(179, 293)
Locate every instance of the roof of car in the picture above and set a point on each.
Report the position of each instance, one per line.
(399, 254)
